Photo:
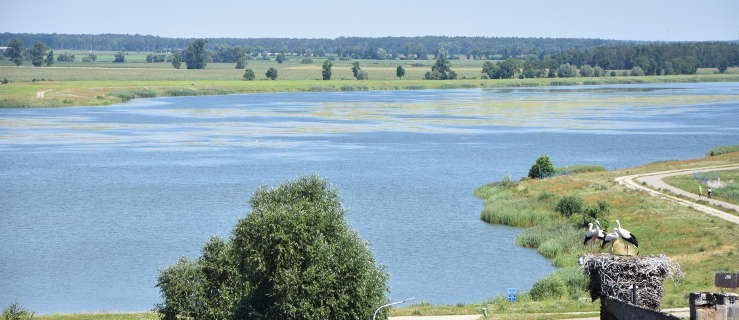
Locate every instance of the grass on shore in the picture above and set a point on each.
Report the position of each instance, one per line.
(729, 191)
(105, 92)
(700, 243)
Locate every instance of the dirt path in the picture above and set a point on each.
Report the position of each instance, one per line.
(651, 182)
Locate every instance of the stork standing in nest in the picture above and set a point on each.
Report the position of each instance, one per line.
(626, 236)
(594, 236)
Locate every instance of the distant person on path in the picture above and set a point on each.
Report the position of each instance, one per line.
(710, 191)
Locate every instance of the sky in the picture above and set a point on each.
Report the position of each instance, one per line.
(612, 19)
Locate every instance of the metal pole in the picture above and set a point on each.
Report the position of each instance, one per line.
(374, 314)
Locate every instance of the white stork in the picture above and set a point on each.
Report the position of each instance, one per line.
(589, 234)
(599, 232)
(626, 235)
(609, 239)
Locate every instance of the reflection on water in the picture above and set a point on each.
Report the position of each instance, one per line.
(96, 200)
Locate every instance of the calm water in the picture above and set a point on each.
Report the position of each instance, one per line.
(95, 200)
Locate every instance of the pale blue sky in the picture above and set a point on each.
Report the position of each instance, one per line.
(625, 19)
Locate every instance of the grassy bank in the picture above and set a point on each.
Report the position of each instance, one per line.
(103, 92)
(701, 244)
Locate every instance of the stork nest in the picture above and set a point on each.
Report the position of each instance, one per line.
(613, 276)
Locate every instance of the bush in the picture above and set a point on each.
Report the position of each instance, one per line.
(569, 205)
(293, 257)
(722, 150)
(271, 73)
(16, 312)
(636, 72)
(547, 288)
(249, 75)
(306, 61)
(542, 168)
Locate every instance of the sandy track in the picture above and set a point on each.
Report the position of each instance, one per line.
(653, 182)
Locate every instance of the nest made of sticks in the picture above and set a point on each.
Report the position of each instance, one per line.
(613, 276)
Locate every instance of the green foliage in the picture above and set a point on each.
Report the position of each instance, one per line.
(15, 51)
(636, 71)
(326, 70)
(400, 72)
(569, 205)
(249, 74)
(126, 95)
(356, 69)
(280, 57)
(306, 61)
(566, 70)
(587, 71)
(542, 168)
(271, 73)
(119, 57)
(293, 257)
(16, 312)
(65, 57)
(723, 150)
(441, 70)
(177, 59)
(548, 288)
(38, 54)
(196, 54)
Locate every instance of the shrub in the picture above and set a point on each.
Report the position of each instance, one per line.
(306, 61)
(722, 150)
(569, 205)
(16, 312)
(542, 168)
(271, 73)
(249, 75)
(547, 288)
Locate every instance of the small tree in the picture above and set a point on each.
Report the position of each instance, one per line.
(722, 66)
(636, 71)
(356, 69)
(38, 54)
(441, 70)
(598, 72)
(241, 59)
(50, 58)
(490, 69)
(15, 51)
(400, 72)
(569, 205)
(542, 168)
(177, 59)
(280, 57)
(16, 312)
(587, 71)
(271, 73)
(566, 71)
(326, 70)
(119, 57)
(249, 74)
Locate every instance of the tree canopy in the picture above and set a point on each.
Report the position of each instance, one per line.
(441, 70)
(542, 168)
(196, 54)
(294, 257)
(326, 70)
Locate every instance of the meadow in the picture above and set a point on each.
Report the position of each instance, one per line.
(104, 82)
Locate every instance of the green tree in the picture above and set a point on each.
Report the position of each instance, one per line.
(196, 54)
(280, 57)
(249, 74)
(636, 71)
(50, 58)
(294, 257)
(587, 71)
(542, 168)
(598, 72)
(490, 69)
(326, 70)
(356, 69)
(569, 205)
(506, 69)
(241, 59)
(441, 70)
(566, 70)
(119, 57)
(400, 72)
(177, 59)
(15, 51)
(38, 54)
(271, 73)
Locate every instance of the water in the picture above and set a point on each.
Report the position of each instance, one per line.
(95, 200)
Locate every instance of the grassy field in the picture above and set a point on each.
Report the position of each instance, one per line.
(729, 191)
(104, 92)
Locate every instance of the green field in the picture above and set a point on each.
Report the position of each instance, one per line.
(104, 82)
(729, 191)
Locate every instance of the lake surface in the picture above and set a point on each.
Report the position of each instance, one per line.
(94, 201)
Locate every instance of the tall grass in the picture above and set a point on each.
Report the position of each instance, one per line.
(723, 150)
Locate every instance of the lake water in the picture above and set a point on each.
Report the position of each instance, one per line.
(94, 201)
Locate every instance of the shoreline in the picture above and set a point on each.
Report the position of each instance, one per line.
(41, 94)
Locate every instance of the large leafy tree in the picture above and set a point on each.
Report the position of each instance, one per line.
(38, 54)
(271, 73)
(15, 51)
(196, 54)
(400, 72)
(293, 257)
